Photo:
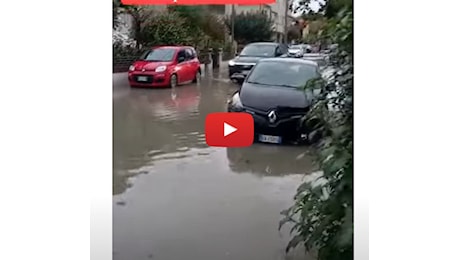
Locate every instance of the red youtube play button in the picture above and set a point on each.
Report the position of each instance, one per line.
(229, 129)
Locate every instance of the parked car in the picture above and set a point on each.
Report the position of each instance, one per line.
(320, 58)
(165, 66)
(298, 50)
(274, 94)
(240, 66)
(295, 51)
(308, 48)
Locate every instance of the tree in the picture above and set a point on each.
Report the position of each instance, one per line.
(214, 27)
(192, 14)
(202, 21)
(294, 33)
(251, 27)
(136, 12)
(333, 7)
(315, 31)
(329, 8)
(164, 29)
(115, 5)
(322, 214)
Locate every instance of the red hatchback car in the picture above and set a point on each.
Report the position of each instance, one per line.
(165, 66)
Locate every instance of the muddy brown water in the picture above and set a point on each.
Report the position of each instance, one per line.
(176, 198)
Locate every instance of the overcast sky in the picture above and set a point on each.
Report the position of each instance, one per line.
(314, 5)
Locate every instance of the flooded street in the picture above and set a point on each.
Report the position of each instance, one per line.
(176, 198)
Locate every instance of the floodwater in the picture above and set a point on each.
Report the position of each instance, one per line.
(175, 198)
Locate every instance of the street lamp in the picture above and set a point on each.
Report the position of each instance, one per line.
(232, 18)
(286, 11)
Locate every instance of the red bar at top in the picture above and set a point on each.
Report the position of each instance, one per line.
(196, 2)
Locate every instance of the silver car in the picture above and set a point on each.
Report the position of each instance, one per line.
(320, 58)
(297, 50)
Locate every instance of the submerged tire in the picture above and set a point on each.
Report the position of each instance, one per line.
(173, 81)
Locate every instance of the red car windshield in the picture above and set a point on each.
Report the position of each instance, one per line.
(160, 54)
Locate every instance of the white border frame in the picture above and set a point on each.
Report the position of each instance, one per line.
(56, 130)
(55, 135)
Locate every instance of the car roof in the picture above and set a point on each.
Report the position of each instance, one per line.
(263, 43)
(290, 60)
(316, 55)
(172, 46)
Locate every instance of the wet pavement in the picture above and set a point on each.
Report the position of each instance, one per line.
(176, 198)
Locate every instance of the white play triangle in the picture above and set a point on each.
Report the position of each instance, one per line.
(228, 129)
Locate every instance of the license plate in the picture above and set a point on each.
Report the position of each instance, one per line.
(141, 78)
(270, 139)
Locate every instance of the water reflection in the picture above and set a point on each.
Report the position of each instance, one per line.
(194, 208)
(270, 160)
(187, 201)
(148, 124)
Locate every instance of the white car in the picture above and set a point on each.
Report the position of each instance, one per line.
(296, 50)
(299, 50)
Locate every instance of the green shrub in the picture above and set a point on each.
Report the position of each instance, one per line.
(165, 29)
(251, 27)
(205, 25)
(322, 214)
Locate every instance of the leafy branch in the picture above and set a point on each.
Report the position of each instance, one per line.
(322, 214)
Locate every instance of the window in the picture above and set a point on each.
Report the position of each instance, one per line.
(159, 54)
(189, 54)
(286, 74)
(278, 51)
(182, 55)
(260, 50)
(195, 55)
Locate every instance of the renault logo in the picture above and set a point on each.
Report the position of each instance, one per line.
(272, 116)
